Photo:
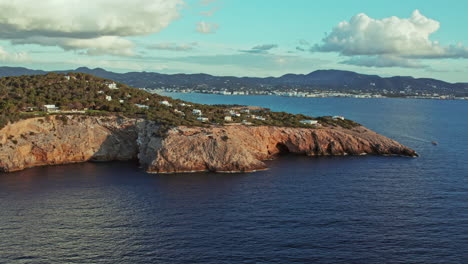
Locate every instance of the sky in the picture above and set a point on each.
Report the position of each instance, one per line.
(239, 38)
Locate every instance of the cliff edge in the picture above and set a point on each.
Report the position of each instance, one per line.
(243, 148)
(73, 138)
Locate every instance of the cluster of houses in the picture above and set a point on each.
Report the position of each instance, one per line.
(230, 114)
(200, 117)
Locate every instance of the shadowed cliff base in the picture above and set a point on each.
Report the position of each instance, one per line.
(54, 140)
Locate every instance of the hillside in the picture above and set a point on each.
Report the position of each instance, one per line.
(79, 93)
(58, 118)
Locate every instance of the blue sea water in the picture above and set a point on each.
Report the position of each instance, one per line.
(303, 210)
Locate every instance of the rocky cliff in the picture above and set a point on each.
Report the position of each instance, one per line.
(243, 148)
(66, 139)
(70, 139)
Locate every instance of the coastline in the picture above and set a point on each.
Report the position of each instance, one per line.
(224, 149)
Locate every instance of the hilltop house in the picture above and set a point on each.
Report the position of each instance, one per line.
(228, 119)
(166, 103)
(197, 112)
(112, 86)
(108, 98)
(142, 106)
(50, 108)
(309, 122)
(177, 111)
(338, 117)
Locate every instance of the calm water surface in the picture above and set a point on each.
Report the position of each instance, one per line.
(303, 210)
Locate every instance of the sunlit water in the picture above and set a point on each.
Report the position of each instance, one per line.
(302, 210)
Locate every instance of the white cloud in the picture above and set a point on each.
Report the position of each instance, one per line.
(391, 40)
(173, 46)
(261, 48)
(93, 26)
(206, 27)
(6, 56)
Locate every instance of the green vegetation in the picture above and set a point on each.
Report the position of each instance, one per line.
(77, 93)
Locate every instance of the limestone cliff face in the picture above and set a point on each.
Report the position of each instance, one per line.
(70, 139)
(242, 148)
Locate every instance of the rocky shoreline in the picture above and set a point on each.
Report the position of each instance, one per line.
(58, 140)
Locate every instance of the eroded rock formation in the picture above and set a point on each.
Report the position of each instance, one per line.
(69, 139)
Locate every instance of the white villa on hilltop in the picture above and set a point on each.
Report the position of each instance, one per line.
(338, 117)
(50, 108)
(112, 86)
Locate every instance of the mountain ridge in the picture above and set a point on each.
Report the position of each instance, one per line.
(337, 80)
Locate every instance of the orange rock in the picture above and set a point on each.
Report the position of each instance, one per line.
(237, 148)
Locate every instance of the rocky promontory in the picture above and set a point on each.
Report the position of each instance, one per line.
(54, 140)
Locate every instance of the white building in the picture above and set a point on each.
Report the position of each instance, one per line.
(338, 117)
(203, 119)
(121, 101)
(166, 103)
(108, 98)
(142, 106)
(177, 111)
(197, 112)
(228, 119)
(309, 122)
(50, 108)
(112, 86)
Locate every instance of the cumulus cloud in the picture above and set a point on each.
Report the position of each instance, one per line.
(261, 48)
(206, 27)
(393, 37)
(92, 26)
(173, 46)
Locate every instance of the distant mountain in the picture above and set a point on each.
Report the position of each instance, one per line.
(18, 71)
(336, 80)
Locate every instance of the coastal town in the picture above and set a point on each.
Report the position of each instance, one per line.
(316, 93)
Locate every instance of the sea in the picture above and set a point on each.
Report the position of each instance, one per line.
(364, 209)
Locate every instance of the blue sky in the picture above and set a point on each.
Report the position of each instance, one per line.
(242, 38)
